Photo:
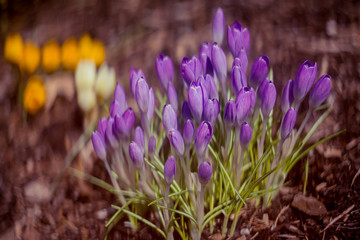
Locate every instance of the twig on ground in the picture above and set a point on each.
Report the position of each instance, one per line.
(338, 217)
(278, 216)
(356, 175)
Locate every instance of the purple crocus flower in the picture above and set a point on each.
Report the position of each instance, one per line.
(205, 86)
(218, 27)
(120, 97)
(320, 91)
(205, 58)
(185, 111)
(230, 114)
(259, 71)
(177, 141)
(268, 99)
(304, 80)
(188, 132)
(169, 118)
(172, 96)
(102, 126)
(151, 107)
(219, 63)
(243, 58)
(245, 135)
(203, 136)
(288, 123)
(211, 110)
(135, 75)
(152, 144)
(238, 79)
(196, 101)
(190, 69)
(142, 94)
(170, 170)
(253, 100)
(116, 108)
(136, 155)
(213, 87)
(204, 172)
(110, 136)
(261, 88)
(139, 137)
(243, 105)
(124, 123)
(287, 98)
(164, 70)
(238, 38)
(99, 145)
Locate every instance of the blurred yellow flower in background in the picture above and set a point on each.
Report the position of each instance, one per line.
(85, 46)
(70, 54)
(31, 57)
(51, 56)
(13, 51)
(34, 95)
(98, 52)
(105, 82)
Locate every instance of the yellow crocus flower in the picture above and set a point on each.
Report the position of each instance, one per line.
(14, 46)
(31, 57)
(85, 46)
(98, 52)
(34, 95)
(51, 56)
(70, 54)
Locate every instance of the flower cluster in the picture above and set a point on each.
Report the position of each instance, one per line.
(215, 132)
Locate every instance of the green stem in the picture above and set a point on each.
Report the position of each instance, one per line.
(302, 126)
(201, 210)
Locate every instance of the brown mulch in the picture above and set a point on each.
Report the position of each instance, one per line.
(134, 33)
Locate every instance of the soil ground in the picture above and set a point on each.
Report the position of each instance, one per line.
(134, 33)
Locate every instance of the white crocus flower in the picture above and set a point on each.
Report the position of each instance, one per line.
(105, 82)
(86, 99)
(85, 75)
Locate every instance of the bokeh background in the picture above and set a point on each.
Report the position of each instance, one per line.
(134, 33)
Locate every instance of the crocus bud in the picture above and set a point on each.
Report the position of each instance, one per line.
(205, 58)
(102, 126)
(243, 105)
(152, 144)
(86, 99)
(211, 110)
(203, 136)
(99, 145)
(139, 137)
(125, 123)
(253, 99)
(304, 80)
(261, 88)
(164, 70)
(195, 98)
(245, 135)
(116, 108)
(169, 118)
(268, 99)
(219, 63)
(205, 86)
(238, 79)
(259, 71)
(172, 96)
(151, 107)
(190, 69)
(85, 75)
(135, 75)
(230, 114)
(204, 172)
(213, 88)
(238, 38)
(188, 132)
(110, 136)
(142, 94)
(242, 56)
(320, 91)
(287, 98)
(218, 27)
(185, 111)
(177, 141)
(136, 155)
(120, 97)
(288, 123)
(170, 170)
(105, 81)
